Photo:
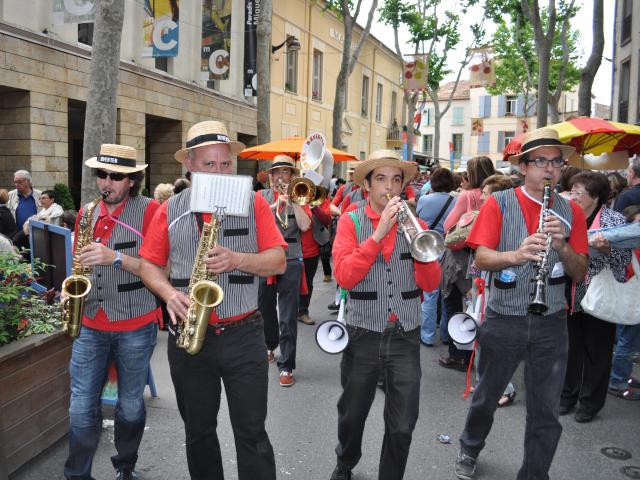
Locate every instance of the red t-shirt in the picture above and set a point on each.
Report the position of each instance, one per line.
(487, 226)
(102, 233)
(353, 261)
(310, 247)
(347, 200)
(155, 248)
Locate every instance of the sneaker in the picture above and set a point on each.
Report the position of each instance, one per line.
(270, 356)
(286, 379)
(327, 278)
(306, 319)
(333, 306)
(626, 393)
(465, 467)
(341, 473)
(126, 474)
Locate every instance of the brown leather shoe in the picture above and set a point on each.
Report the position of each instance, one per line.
(327, 278)
(270, 356)
(286, 379)
(306, 319)
(453, 363)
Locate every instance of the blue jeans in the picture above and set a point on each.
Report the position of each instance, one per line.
(93, 351)
(430, 318)
(541, 341)
(628, 343)
(394, 356)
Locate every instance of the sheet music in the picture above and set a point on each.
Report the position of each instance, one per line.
(213, 191)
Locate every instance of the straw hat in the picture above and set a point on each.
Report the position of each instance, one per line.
(208, 133)
(280, 161)
(383, 158)
(542, 137)
(116, 158)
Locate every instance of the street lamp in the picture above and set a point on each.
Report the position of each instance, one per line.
(292, 43)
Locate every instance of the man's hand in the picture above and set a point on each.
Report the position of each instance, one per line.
(530, 248)
(388, 218)
(177, 306)
(221, 259)
(553, 226)
(96, 254)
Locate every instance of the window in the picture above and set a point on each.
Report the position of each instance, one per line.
(456, 139)
(511, 105)
(504, 138)
(85, 33)
(291, 81)
(363, 155)
(162, 63)
(316, 84)
(364, 101)
(429, 117)
(625, 30)
(394, 105)
(427, 144)
(379, 103)
(483, 143)
(458, 116)
(623, 96)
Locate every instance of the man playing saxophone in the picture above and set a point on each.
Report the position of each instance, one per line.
(233, 350)
(120, 315)
(280, 327)
(513, 243)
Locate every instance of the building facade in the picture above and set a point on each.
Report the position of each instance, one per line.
(44, 71)
(625, 101)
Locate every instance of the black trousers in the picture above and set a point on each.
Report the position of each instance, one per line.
(325, 257)
(238, 358)
(310, 269)
(589, 364)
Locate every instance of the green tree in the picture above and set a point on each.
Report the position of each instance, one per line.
(63, 196)
(435, 33)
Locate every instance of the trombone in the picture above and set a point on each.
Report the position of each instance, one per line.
(300, 191)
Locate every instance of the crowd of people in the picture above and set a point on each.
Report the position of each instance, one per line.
(143, 252)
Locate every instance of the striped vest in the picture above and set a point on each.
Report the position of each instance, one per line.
(513, 298)
(292, 233)
(356, 196)
(388, 287)
(121, 294)
(236, 233)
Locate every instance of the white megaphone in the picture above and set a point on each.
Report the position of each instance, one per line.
(463, 327)
(332, 336)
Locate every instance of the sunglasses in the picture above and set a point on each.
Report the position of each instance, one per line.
(116, 177)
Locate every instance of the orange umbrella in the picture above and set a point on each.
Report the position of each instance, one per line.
(291, 146)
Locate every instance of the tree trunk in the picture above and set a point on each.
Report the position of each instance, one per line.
(553, 111)
(263, 70)
(593, 64)
(411, 112)
(436, 141)
(101, 115)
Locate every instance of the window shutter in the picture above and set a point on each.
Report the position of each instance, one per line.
(533, 105)
(520, 105)
(481, 112)
(502, 107)
(501, 144)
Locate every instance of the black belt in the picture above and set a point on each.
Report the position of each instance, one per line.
(218, 328)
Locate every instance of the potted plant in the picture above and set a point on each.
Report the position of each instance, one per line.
(34, 359)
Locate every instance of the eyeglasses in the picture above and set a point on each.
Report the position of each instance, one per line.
(577, 193)
(541, 162)
(116, 177)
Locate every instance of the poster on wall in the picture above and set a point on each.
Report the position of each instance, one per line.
(216, 38)
(252, 13)
(160, 28)
(73, 11)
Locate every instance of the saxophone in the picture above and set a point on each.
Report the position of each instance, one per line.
(77, 286)
(538, 303)
(204, 293)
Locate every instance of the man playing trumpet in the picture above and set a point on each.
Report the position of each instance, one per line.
(373, 261)
(292, 219)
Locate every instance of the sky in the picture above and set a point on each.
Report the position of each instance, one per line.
(582, 22)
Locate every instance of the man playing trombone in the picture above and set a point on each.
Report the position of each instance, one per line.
(283, 290)
(373, 261)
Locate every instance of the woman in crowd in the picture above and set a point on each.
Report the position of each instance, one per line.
(591, 340)
(433, 208)
(455, 263)
(7, 222)
(564, 184)
(617, 183)
(163, 192)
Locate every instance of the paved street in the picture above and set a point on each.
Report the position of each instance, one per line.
(302, 427)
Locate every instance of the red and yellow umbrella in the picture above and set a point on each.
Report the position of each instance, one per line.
(291, 146)
(590, 136)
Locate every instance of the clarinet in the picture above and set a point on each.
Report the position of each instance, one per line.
(538, 303)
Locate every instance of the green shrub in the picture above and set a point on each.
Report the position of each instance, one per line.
(63, 197)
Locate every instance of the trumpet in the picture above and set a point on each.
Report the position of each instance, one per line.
(300, 191)
(425, 245)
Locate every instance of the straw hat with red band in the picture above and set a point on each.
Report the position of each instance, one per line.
(116, 158)
(208, 133)
(542, 137)
(383, 158)
(281, 161)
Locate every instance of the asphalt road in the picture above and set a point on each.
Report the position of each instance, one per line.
(302, 424)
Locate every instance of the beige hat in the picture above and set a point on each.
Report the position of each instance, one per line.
(541, 137)
(383, 158)
(116, 158)
(280, 161)
(208, 133)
